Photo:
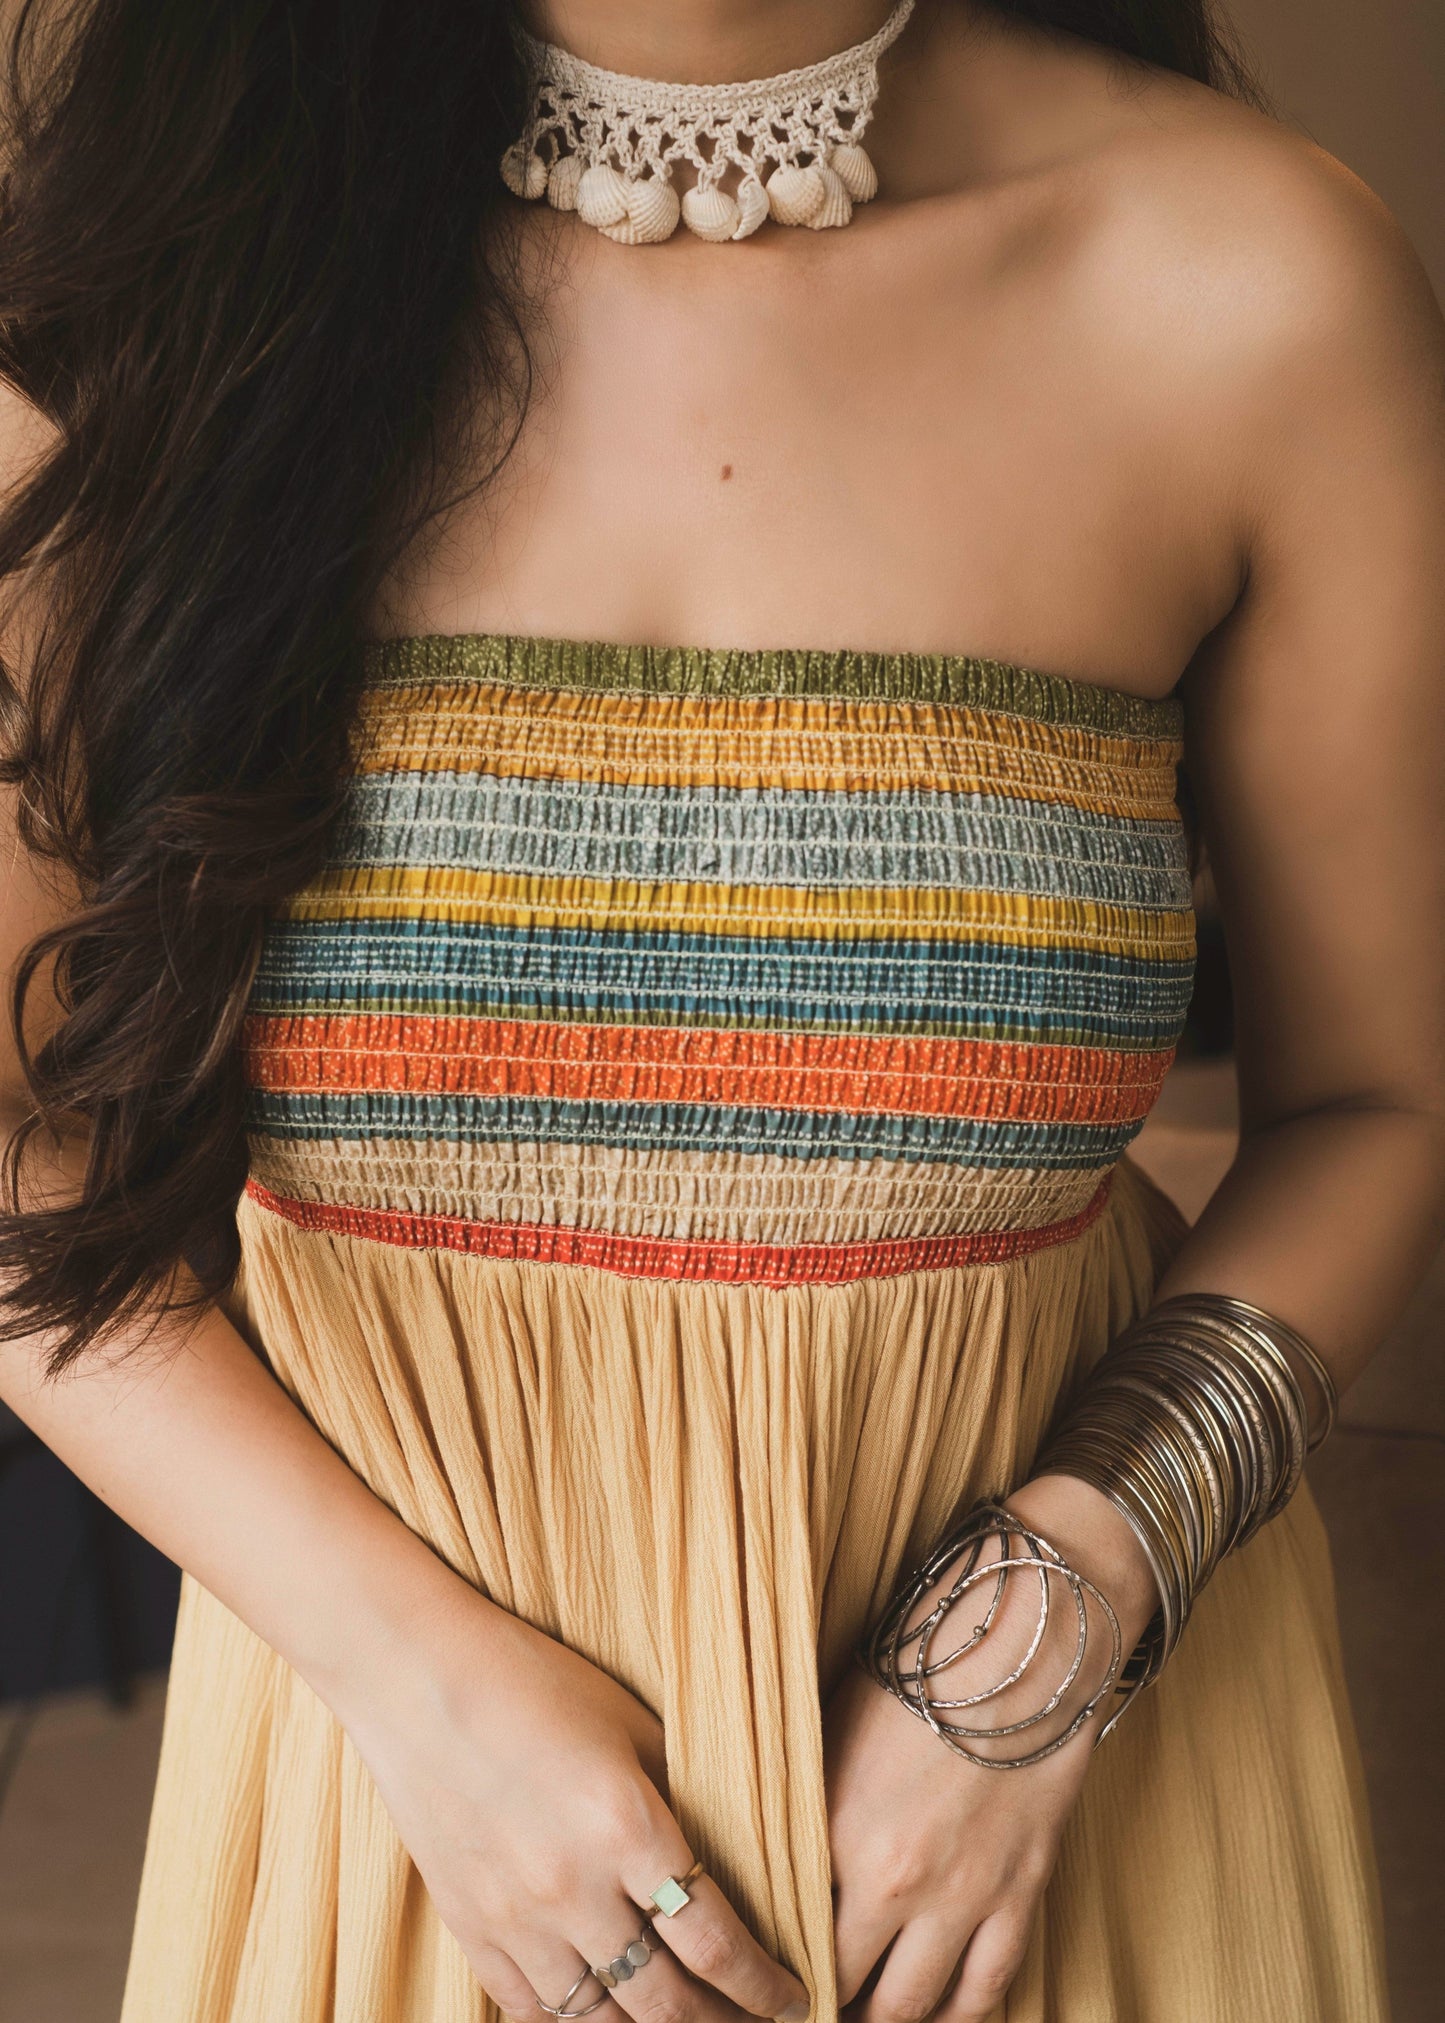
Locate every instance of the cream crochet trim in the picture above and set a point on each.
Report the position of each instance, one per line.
(606, 145)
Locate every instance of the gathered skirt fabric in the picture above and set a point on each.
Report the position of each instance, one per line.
(709, 1490)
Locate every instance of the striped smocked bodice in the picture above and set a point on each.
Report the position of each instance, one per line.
(767, 966)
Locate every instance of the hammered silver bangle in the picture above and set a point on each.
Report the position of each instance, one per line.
(898, 1652)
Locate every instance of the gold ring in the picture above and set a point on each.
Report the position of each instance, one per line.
(671, 1893)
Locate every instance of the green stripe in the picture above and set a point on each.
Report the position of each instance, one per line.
(593, 666)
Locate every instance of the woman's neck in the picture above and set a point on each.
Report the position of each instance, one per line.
(704, 41)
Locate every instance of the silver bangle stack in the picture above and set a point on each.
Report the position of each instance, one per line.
(1195, 1426)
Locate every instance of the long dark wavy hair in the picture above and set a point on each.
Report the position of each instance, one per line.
(247, 247)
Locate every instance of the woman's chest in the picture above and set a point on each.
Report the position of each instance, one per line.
(726, 964)
(883, 447)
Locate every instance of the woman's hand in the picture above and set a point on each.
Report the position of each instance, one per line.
(939, 1863)
(527, 1786)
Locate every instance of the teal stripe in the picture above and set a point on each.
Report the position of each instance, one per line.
(966, 989)
(688, 1127)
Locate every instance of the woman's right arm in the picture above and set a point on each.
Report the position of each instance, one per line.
(524, 1781)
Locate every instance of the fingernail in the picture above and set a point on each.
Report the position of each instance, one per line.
(796, 2012)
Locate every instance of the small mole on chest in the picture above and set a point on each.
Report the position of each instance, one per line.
(727, 471)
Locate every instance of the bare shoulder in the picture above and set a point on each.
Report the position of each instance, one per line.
(1258, 254)
(1256, 318)
(1276, 311)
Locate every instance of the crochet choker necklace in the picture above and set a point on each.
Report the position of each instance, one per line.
(787, 147)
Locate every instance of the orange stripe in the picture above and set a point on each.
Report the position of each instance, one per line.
(848, 1072)
(657, 1257)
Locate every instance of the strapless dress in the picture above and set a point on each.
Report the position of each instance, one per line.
(689, 1119)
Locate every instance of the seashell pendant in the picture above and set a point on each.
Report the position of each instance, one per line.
(653, 210)
(795, 195)
(836, 207)
(854, 165)
(711, 213)
(752, 207)
(563, 181)
(602, 196)
(524, 172)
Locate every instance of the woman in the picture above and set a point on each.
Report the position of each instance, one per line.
(686, 1092)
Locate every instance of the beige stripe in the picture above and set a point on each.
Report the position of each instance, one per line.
(679, 1196)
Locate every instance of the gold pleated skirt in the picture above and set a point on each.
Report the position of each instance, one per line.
(708, 1490)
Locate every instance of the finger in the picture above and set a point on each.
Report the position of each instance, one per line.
(713, 1943)
(651, 1746)
(662, 1991)
(648, 1985)
(994, 1955)
(706, 1934)
(865, 1922)
(551, 1966)
(920, 1971)
(503, 1980)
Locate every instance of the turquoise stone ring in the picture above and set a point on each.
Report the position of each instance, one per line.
(671, 1893)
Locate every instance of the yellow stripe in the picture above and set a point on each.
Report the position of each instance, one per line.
(931, 913)
(829, 744)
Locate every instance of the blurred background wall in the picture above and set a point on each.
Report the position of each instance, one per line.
(1366, 78)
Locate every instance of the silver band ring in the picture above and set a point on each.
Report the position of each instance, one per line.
(562, 2008)
(635, 1954)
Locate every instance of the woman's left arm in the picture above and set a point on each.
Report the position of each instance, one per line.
(1316, 741)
